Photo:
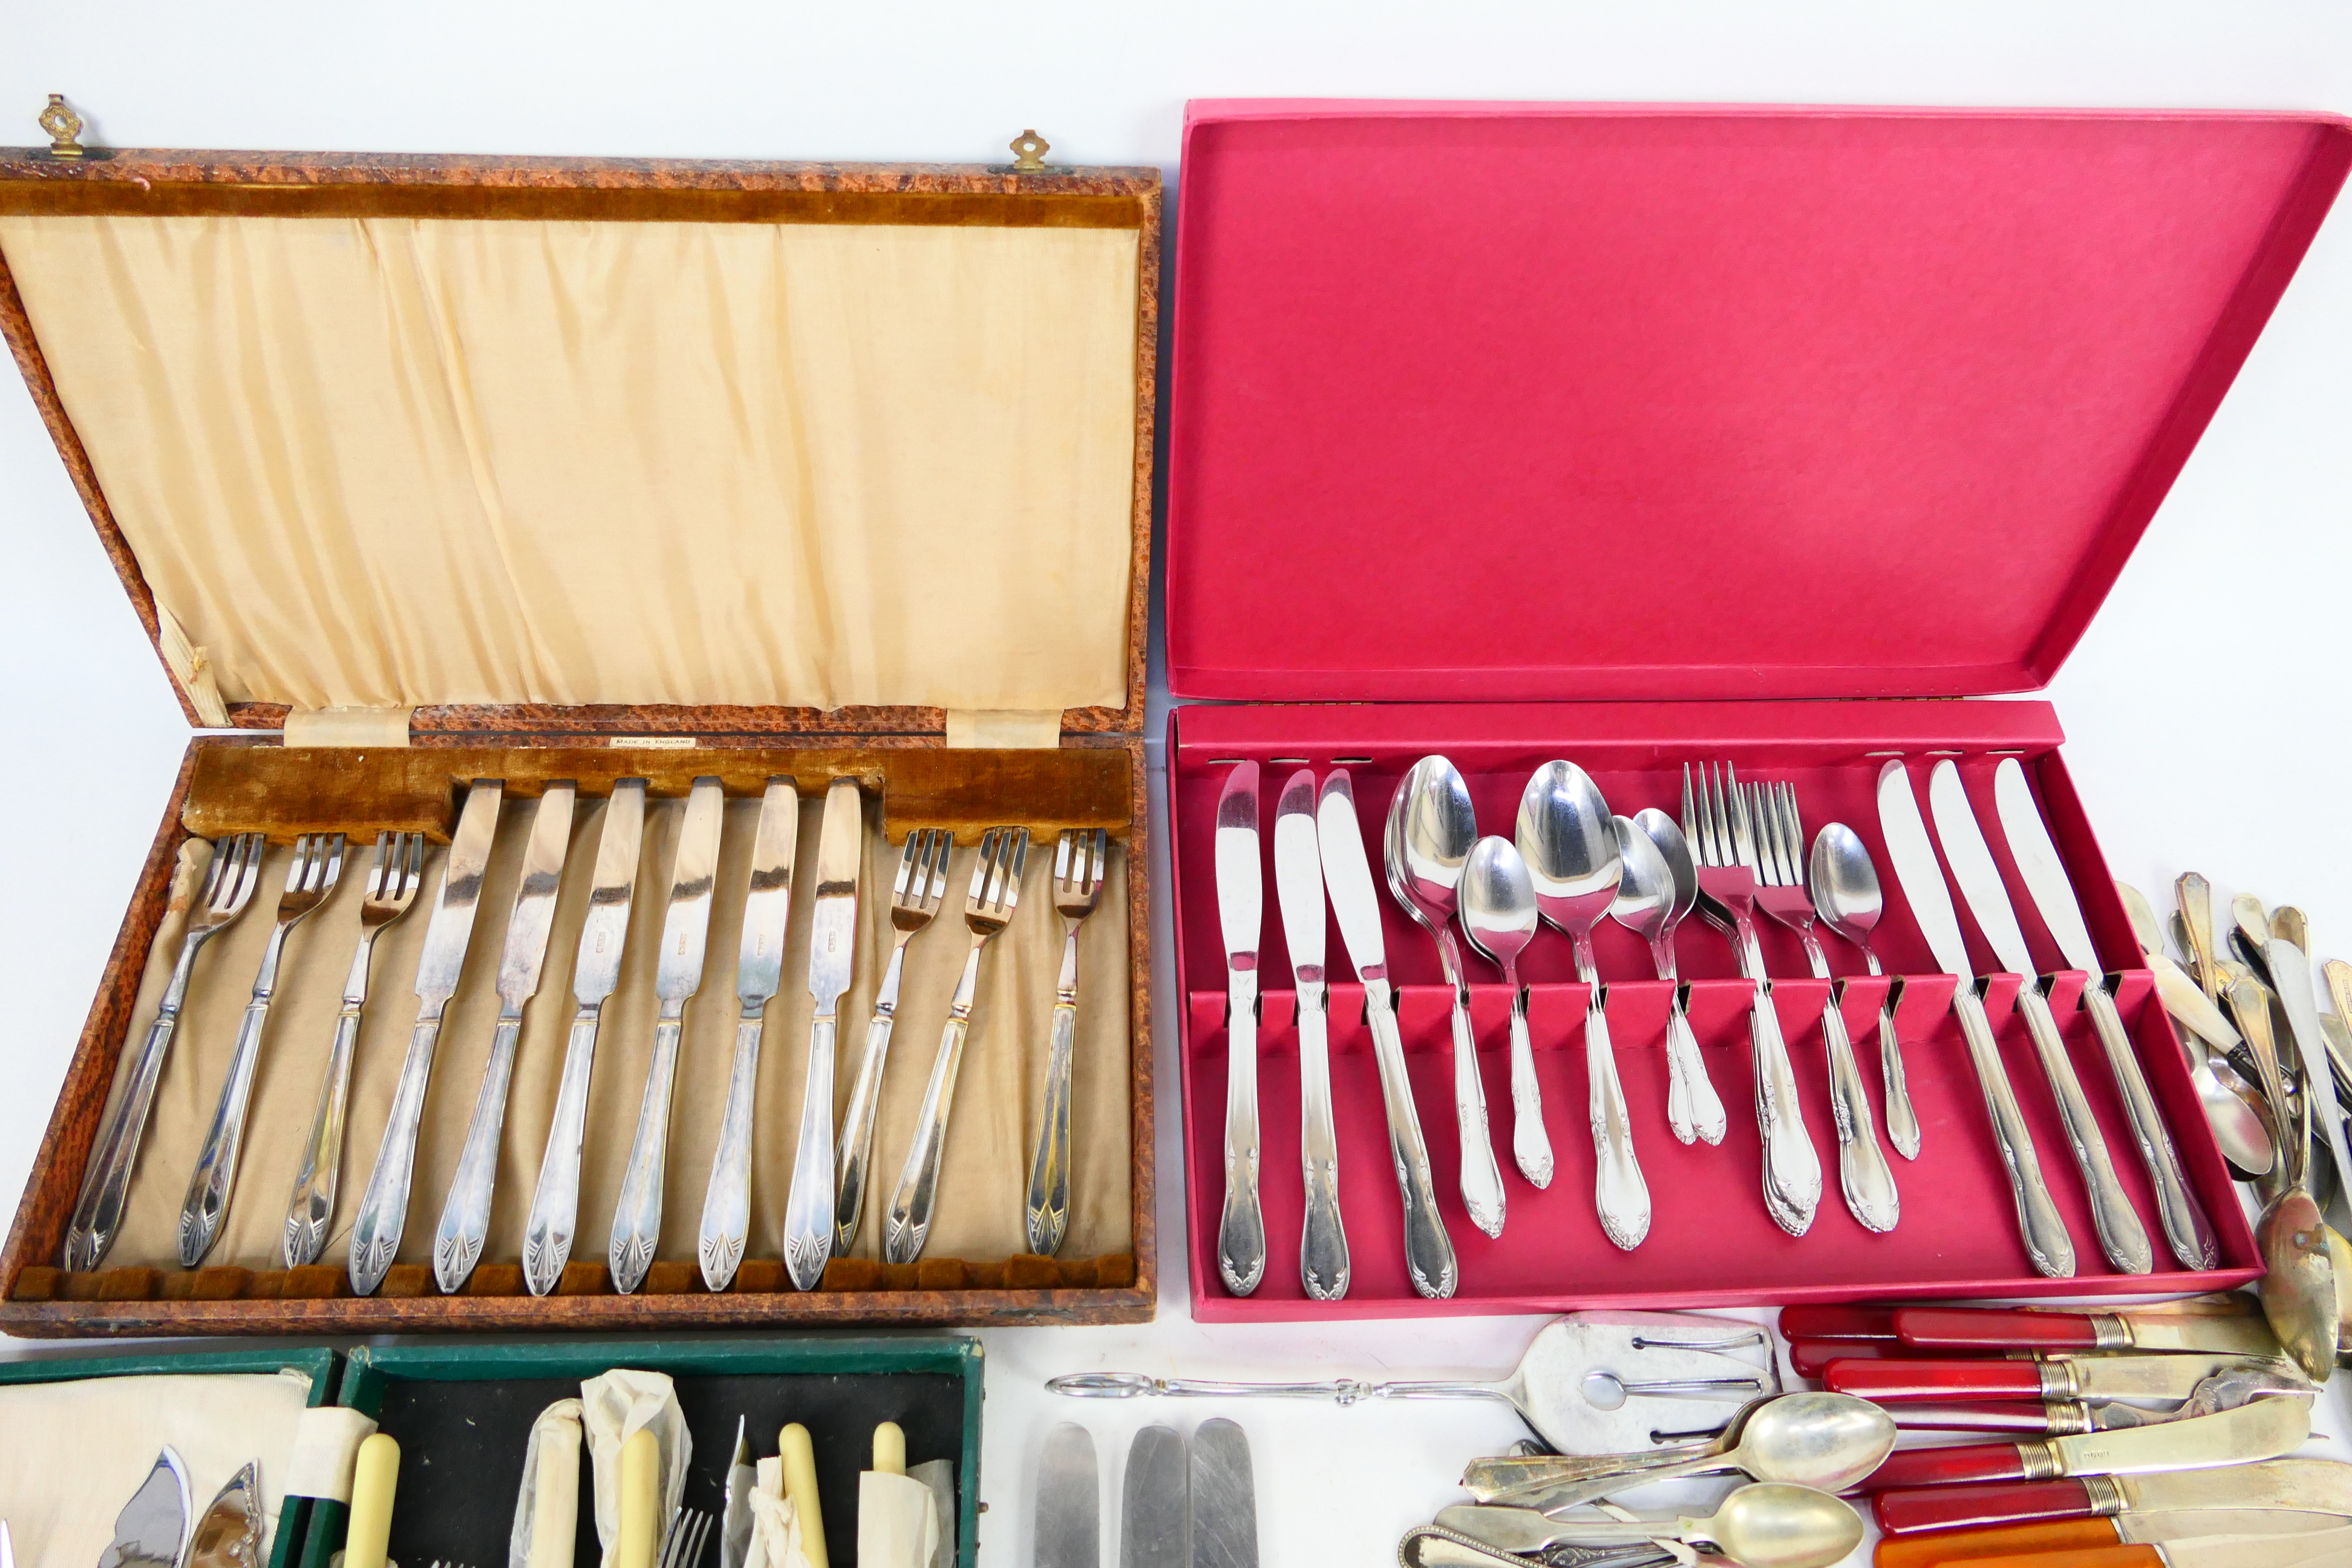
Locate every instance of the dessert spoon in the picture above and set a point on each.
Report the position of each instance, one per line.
(1498, 916)
(1656, 887)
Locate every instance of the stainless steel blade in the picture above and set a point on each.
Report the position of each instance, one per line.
(2295, 1486)
(149, 1530)
(1225, 1496)
(2038, 866)
(1348, 876)
(1299, 876)
(1241, 884)
(687, 925)
(534, 907)
(1916, 872)
(2318, 1549)
(2193, 1524)
(2262, 1430)
(2216, 1335)
(1154, 1523)
(768, 906)
(2187, 1002)
(2158, 1376)
(1973, 870)
(452, 926)
(606, 931)
(833, 932)
(228, 1535)
(1069, 1500)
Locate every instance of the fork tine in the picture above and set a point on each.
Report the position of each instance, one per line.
(415, 867)
(910, 861)
(1064, 847)
(1020, 863)
(244, 874)
(1792, 835)
(1768, 814)
(942, 848)
(385, 850)
(1102, 860)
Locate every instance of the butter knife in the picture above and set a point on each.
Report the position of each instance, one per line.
(1241, 910)
(2047, 1244)
(833, 948)
(1348, 876)
(759, 972)
(677, 972)
(2290, 968)
(2121, 1235)
(384, 1207)
(1299, 888)
(228, 1533)
(555, 1203)
(2186, 1229)
(466, 1214)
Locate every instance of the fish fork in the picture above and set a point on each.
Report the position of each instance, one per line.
(1080, 859)
(689, 1533)
(988, 908)
(318, 865)
(916, 895)
(1862, 1172)
(106, 1182)
(1723, 840)
(392, 879)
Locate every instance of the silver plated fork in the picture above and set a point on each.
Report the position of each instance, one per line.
(689, 1535)
(1863, 1174)
(1723, 841)
(1081, 856)
(106, 1181)
(317, 866)
(392, 879)
(916, 894)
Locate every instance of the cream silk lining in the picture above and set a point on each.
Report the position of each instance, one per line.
(385, 462)
(982, 1186)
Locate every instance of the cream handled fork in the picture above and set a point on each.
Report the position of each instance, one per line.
(916, 895)
(809, 1206)
(1081, 857)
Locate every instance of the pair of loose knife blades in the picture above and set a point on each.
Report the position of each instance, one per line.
(1181, 1512)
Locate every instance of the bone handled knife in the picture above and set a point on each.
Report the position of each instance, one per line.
(2264, 1429)
(466, 1213)
(1348, 878)
(2186, 1229)
(1323, 1266)
(832, 944)
(759, 973)
(677, 971)
(555, 1202)
(1241, 910)
(384, 1207)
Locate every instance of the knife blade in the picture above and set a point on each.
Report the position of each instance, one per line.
(466, 1213)
(677, 971)
(2086, 1377)
(1069, 1500)
(1155, 1523)
(1225, 1496)
(2019, 1541)
(384, 1207)
(1921, 880)
(2290, 976)
(1241, 911)
(2263, 1429)
(2186, 1231)
(1323, 1266)
(228, 1534)
(2295, 1487)
(595, 971)
(1347, 879)
(2121, 1235)
(735, 1523)
(149, 1530)
(833, 944)
(1992, 1328)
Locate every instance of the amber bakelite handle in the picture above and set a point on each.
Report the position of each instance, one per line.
(1962, 1508)
(1938, 1547)
(1837, 1322)
(1925, 1380)
(1947, 1467)
(2094, 1557)
(1933, 1328)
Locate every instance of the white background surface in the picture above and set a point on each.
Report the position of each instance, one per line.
(2205, 709)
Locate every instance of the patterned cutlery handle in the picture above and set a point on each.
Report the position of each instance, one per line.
(1323, 1265)
(1241, 1226)
(106, 1180)
(2186, 1229)
(1619, 1196)
(466, 1213)
(311, 1210)
(636, 1221)
(1792, 1167)
(1428, 1250)
(908, 1224)
(1687, 1070)
(1901, 1122)
(854, 1159)
(1863, 1174)
(384, 1207)
(555, 1203)
(809, 1206)
(726, 1203)
(2121, 1235)
(1047, 1212)
(2038, 1220)
(1482, 1177)
(1531, 1143)
(212, 1181)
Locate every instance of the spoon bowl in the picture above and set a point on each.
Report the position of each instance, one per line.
(1771, 1524)
(1430, 828)
(1569, 842)
(1831, 1441)
(1667, 834)
(1844, 883)
(1644, 904)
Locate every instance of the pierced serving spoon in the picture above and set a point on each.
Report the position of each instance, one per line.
(1846, 895)
(1656, 887)
(1772, 1524)
(1827, 1440)
(1498, 916)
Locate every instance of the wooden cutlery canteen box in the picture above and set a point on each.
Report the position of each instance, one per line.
(1645, 437)
(740, 480)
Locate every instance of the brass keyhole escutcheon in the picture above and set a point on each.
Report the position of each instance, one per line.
(1029, 150)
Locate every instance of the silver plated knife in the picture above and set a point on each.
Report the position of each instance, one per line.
(228, 1532)
(1069, 1500)
(1223, 1497)
(2186, 1229)
(833, 948)
(758, 975)
(384, 1207)
(2121, 1235)
(677, 972)
(466, 1214)
(1348, 876)
(2047, 1244)
(1299, 888)
(1155, 1524)
(153, 1525)
(1241, 910)
(2290, 968)
(555, 1203)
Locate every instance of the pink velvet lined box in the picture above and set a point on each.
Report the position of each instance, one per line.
(1512, 432)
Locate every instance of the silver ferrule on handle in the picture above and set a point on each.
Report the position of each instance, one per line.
(555, 1202)
(1428, 1250)
(908, 1224)
(1048, 1211)
(1863, 1174)
(636, 1220)
(214, 1180)
(310, 1212)
(2186, 1229)
(384, 1207)
(2121, 1235)
(1792, 1170)
(727, 1202)
(1619, 1196)
(106, 1180)
(1323, 1266)
(1531, 1141)
(2047, 1244)
(466, 1213)
(855, 1158)
(809, 1205)
(1482, 1178)
(1240, 1225)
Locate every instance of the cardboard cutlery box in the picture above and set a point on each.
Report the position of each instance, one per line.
(1644, 436)
(421, 470)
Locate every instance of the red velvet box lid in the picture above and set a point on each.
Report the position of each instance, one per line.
(1528, 401)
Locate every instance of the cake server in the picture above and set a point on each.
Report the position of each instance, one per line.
(2263, 1429)
(832, 949)
(2273, 1485)
(1241, 912)
(384, 1207)
(1323, 1266)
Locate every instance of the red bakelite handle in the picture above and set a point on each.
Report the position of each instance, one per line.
(1943, 1466)
(2027, 1418)
(1921, 1379)
(1808, 1358)
(1837, 1322)
(1956, 1508)
(1961, 1328)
